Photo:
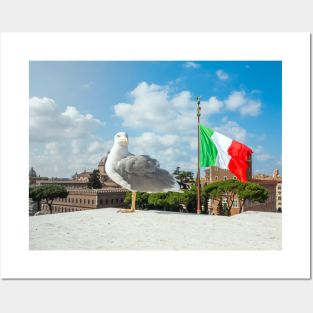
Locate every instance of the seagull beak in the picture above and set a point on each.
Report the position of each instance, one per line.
(124, 141)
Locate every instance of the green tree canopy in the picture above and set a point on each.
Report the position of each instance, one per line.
(36, 194)
(94, 180)
(141, 199)
(48, 193)
(230, 189)
(252, 192)
(183, 177)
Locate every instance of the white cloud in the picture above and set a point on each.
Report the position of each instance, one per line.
(46, 121)
(63, 142)
(232, 130)
(238, 100)
(52, 148)
(252, 108)
(213, 105)
(260, 155)
(222, 75)
(168, 149)
(191, 65)
(235, 100)
(155, 108)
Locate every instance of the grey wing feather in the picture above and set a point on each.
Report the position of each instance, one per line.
(144, 174)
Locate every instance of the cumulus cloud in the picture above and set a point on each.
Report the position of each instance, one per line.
(153, 107)
(238, 100)
(46, 121)
(63, 141)
(157, 108)
(169, 149)
(222, 75)
(232, 130)
(191, 65)
(260, 155)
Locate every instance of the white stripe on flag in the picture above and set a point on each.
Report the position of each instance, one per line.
(222, 144)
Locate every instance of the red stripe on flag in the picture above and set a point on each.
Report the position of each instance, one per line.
(238, 164)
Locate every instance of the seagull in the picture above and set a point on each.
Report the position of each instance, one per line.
(137, 173)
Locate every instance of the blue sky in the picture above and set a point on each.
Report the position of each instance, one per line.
(77, 107)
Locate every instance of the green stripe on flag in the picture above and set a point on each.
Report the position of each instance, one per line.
(208, 151)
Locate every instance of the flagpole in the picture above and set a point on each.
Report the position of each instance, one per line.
(198, 180)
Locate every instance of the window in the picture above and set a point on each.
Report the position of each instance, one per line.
(93, 201)
(101, 201)
(279, 187)
(76, 200)
(235, 204)
(80, 200)
(111, 201)
(279, 198)
(234, 177)
(224, 201)
(84, 201)
(106, 201)
(88, 201)
(216, 177)
(225, 177)
(116, 200)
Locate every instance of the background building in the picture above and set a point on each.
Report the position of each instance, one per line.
(87, 199)
(273, 185)
(80, 197)
(214, 173)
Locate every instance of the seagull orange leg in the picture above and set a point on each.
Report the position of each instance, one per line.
(133, 207)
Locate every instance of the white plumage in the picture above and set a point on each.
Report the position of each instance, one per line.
(137, 172)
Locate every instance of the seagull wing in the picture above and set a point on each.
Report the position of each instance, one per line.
(143, 173)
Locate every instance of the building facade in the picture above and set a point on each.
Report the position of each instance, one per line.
(87, 199)
(80, 197)
(273, 185)
(68, 184)
(214, 173)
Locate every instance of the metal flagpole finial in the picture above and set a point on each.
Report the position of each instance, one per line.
(198, 106)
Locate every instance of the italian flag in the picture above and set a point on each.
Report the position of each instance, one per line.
(221, 151)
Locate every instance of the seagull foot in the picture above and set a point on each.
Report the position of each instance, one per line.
(126, 211)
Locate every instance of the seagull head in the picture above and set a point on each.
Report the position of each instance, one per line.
(121, 139)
